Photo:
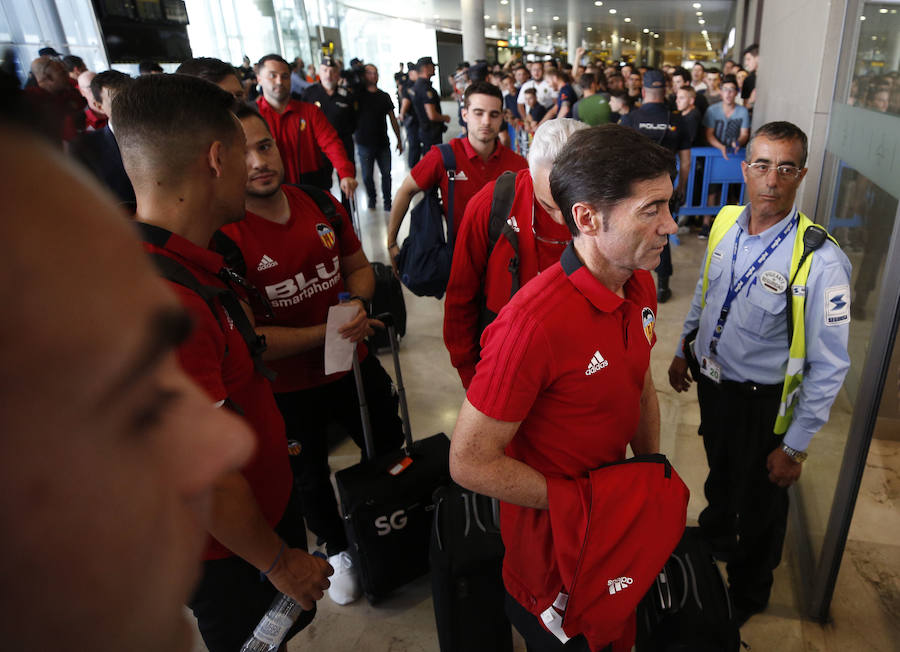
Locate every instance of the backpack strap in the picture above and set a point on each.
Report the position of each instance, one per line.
(324, 203)
(501, 205)
(171, 270)
(449, 160)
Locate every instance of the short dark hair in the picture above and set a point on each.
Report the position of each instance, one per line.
(730, 79)
(599, 165)
(752, 50)
(72, 61)
(702, 67)
(208, 68)
(482, 88)
(781, 130)
(163, 122)
(531, 91)
(681, 72)
(587, 80)
(244, 110)
(147, 66)
(112, 79)
(273, 57)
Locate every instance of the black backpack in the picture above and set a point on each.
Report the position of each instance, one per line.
(498, 225)
(426, 255)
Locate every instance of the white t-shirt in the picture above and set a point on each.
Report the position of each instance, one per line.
(543, 89)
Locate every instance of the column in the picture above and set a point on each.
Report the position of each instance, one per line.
(573, 29)
(473, 29)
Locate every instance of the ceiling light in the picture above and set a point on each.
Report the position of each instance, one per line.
(612, 11)
(559, 33)
(556, 18)
(696, 5)
(598, 4)
(530, 10)
(486, 17)
(493, 27)
(882, 11)
(874, 38)
(534, 27)
(504, 2)
(656, 36)
(699, 13)
(862, 17)
(590, 29)
(627, 20)
(702, 22)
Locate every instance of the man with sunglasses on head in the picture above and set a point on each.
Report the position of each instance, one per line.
(767, 341)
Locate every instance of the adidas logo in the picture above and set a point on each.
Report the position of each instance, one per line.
(618, 584)
(596, 364)
(266, 263)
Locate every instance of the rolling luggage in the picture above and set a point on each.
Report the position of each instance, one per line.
(466, 572)
(687, 608)
(387, 502)
(388, 297)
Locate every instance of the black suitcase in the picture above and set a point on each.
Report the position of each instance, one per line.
(388, 297)
(387, 502)
(688, 609)
(466, 573)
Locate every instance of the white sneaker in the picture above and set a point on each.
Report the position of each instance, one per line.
(345, 581)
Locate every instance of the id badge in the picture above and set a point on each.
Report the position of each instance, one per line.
(711, 369)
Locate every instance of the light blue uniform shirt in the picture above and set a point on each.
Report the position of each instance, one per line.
(754, 344)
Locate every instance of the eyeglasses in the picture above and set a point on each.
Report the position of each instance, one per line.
(784, 171)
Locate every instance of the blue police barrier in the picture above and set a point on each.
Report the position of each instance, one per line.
(709, 168)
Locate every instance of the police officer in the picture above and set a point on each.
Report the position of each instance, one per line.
(408, 116)
(427, 106)
(338, 103)
(664, 127)
(771, 314)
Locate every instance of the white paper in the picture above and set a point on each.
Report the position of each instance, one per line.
(339, 350)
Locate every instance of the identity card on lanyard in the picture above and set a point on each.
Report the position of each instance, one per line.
(709, 367)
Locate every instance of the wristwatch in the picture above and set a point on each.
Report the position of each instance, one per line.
(365, 302)
(794, 454)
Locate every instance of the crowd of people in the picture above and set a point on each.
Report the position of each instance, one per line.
(226, 173)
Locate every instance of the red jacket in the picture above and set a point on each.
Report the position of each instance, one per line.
(301, 132)
(612, 533)
(476, 278)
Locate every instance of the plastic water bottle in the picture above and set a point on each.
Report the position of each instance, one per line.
(273, 627)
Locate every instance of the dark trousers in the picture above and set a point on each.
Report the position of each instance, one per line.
(368, 156)
(736, 423)
(664, 269)
(232, 598)
(307, 414)
(413, 144)
(431, 134)
(538, 639)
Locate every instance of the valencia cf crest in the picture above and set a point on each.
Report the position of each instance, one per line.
(648, 319)
(326, 235)
(302, 124)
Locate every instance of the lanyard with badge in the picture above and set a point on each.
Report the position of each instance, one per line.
(708, 366)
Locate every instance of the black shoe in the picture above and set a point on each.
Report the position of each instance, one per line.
(387, 207)
(371, 204)
(663, 295)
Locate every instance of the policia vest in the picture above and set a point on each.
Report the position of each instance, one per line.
(801, 261)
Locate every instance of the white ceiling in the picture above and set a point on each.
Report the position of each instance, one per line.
(675, 21)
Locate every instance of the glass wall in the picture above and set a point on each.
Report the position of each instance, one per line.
(858, 203)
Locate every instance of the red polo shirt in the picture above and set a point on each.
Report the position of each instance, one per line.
(94, 121)
(298, 266)
(300, 132)
(477, 279)
(472, 173)
(218, 361)
(566, 357)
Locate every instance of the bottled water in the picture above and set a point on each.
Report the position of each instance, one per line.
(273, 627)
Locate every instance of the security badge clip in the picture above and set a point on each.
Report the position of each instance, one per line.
(711, 369)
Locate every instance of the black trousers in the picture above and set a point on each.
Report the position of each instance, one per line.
(538, 639)
(413, 143)
(736, 422)
(307, 414)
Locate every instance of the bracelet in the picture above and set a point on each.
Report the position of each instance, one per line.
(265, 573)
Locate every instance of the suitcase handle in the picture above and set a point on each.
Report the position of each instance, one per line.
(388, 320)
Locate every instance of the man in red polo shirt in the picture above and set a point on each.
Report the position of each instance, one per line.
(184, 151)
(303, 260)
(479, 158)
(569, 355)
(482, 282)
(301, 131)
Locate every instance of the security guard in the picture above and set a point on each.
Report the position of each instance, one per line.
(406, 94)
(771, 314)
(427, 106)
(664, 127)
(337, 102)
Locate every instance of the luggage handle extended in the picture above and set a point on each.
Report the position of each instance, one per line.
(388, 320)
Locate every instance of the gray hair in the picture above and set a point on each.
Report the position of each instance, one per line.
(549, 140)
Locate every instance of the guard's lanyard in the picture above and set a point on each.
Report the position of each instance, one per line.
(736, 288)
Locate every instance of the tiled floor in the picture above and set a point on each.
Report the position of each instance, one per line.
(866, 608)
